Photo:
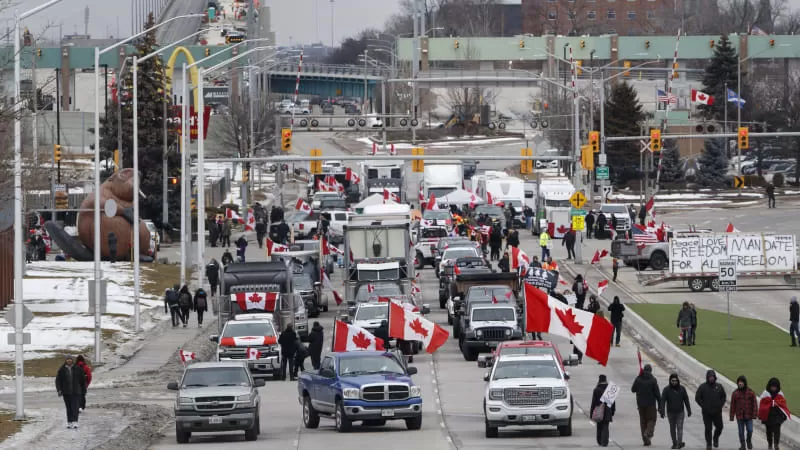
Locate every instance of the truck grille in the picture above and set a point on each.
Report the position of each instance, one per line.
(241, 353)
(214, 403)
(494, 334)
(528, 396)
(382, 392)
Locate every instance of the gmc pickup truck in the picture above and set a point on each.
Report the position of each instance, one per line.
(367, 386)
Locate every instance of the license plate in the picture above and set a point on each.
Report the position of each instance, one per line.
(493, 344)
(387, 413)
(529, 418)
(215, 420)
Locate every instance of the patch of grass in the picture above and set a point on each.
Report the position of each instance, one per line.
(9, 426)
(159, 277)
(39, 367)
(757, 350)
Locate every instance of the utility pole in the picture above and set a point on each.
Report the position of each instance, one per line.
(164, 162)
(34, 115)
(58, 120)
(414, 66)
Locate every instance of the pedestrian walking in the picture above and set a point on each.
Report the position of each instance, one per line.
(225, 233)
(87, 371)
(261, 232)
(601, 226)
(513, 238)
(648, 401)
(495, 242)
(227, 258)
(593, 306)
(544, 243)
(694, 323)
(675, 400)
(212, 273)
(213, 231)
(770, 195)
(614, 268)
(603, 408)
(185, 303)
(315, 341)
(569, 242)
(794, 321)
(288, 342)
(773, 411)
(579, 287)
(744, 408)
(710, 396)
(241, 246)
(684, 323)
(504, 263)
(171, 304)
(300, 355)
(200, 305)
(70, 384)
(617, 310)
(589, 224)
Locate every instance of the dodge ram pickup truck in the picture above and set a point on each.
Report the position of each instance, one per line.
(367, 386)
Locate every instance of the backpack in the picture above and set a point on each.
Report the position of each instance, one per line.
(185, 300)
(202, 301)
(171, 297)
(579, 288)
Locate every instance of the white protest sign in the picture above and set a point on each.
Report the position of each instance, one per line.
(753, 252)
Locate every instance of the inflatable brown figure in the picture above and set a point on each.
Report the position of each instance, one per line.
(119, 188)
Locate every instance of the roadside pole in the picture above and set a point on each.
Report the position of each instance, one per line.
(727, 282)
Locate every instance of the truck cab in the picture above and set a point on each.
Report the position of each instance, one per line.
(427, 239)
(440, 178)
(258, 287)
(553, 206)
(489, 325)
(488, 292)
(364, 386)
(248, 332)
(380, 175)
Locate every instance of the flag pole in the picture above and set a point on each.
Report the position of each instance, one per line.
(524, 314)
(333, 338)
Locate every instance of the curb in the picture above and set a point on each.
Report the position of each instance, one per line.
(673, 355)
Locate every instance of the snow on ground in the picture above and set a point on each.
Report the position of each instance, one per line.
(687, 196)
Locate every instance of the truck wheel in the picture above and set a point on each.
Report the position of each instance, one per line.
(343, 424)
(420, 261)
(414, 423)
(491, 432)
(182, 437)
(696, 284)
(658, 261)
(469, 355)
(713, 284)
(310, 416)
(566, 430)
(456, 327)
(325, 307)
(252, 433)
(449, 319)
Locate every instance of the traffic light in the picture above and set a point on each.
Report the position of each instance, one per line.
(456, 45)
(521, 43)
(655, 140)
(194, 204)
(316, 166)
(526, 165)
(627, 65)
(418, 165)
(772, 42)
(286, 139)
(208, 51)
(712, 43)
(594, 141)
(587, 157)
(245, 175)
(744, 138)
(646, 44)
(675, 67)
(56, 153)
(583, 43)
(173, 182)
(39, 52)
(578, 65)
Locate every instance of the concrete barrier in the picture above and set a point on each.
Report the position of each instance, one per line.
(671, 356)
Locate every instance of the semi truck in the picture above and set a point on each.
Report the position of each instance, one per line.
(506, 189)
(380, 175)
(553, 206)
(440, 178)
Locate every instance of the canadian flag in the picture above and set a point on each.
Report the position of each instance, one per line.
(274, 247)
(352, 176)
(601, 286)
(231, 214)
(387, 195)
(701, 97)
(337, 298)
(374, 148)
(370, 288)
(432, 202)
(187, 356)
(489, 200)
(253, 353)
(639, 357)
(731, 228)
(255, 300)
(326, 282)
(302, 205)
(409, 326)
(603, 253)
(250, 222)
(323, 186)
(590, 333)
(519, 258)
(392, 150)
(421, 194)
(456, 270)
(347, 338)
(649, 205)
(596, 257)
(248, 341)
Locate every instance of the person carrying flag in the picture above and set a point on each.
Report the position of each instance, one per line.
(773, 411)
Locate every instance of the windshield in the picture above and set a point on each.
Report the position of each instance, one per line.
(492, 211)
(455, 242)
(614, 209)
(433, 233)
(333, 203)
(493, 314)
(525, 369)
(364, 365)
(233, 329)
(380, 290)
(440, 192)
(150, 227)
(373, 312)
(501, 293)
(527, 351)
(557, 203)
(216, 376)
(326, 196)
(436, 214)
(515, 203)
(461, 252)
(302, 283)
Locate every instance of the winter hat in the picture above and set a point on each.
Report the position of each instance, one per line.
(68, 357)
(648, 368)
(673, 376)
(793, 299)
(602, 379)
(774, 382)
(711, 374)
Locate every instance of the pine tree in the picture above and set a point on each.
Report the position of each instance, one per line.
(713, 164)
(722, 69)
(623, 116)
(151, 82)
(671, 166)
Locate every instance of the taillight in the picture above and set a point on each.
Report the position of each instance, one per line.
(301, 226)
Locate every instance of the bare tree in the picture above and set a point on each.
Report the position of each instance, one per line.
(232, 133)
(739, 16)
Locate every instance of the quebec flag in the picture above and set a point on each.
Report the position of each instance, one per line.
(733, 97)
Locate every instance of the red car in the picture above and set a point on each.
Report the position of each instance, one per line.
(527, 348)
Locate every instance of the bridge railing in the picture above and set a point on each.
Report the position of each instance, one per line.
(333, 69)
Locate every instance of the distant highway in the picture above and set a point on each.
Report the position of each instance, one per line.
(183, 27)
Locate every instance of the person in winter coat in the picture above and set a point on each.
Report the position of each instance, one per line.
(608, 413)
(513, 238)
(227, 258)
(288, 342)
(648, 401)
(316, 339)
(601, 226)
(225, 233)
(171, 304)
(593, 306)
(185, 303)
(773, 411)
(495, 242)
(770, 195)
(261, 232)
(544, 243)
(589, 224)
(213, 231)
(744, 408)
(300, 355)
(504, 264)
(569, 242)
(241, 246)
(200, 304)
(694, 323)
(684, 323)
(87, 371)
(676, 402)
(794, 320)
(212, 273)
(710, 396)
(614, 268)
(70, 384)
(383, 333)
(579, 287)
(617, 310)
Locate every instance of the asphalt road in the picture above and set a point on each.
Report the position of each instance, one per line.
(182, 27)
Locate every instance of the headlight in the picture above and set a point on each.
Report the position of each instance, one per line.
(185, 400)
(273, 348)
(243, 398)
(351, 393)
(495, 394)
(415, 391)
(508, 331)
(479, 333)
(559, 393)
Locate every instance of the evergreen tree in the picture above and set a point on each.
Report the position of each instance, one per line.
(151, 82)
(713, 164)
(671, 166)
(623, 116)
(722, 69)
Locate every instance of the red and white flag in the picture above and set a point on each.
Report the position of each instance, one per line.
(648, 207)
(274, 247)
(392, 150)
(233, 215)
(701, 97)
(253, 353)
(370, 288)
(187, 356)
(322, 186)
(489, 200)
(432, 202)
(639, 357)
(374, 148)
(250, 221)
(302, 205)
(387, 195)
(326, 281)
(421, 194)
(409, 326)
(731, 228)
(596, 257)
(248, 341)
(348, 338)
(519, 258)
(601, 286)
(351, 176)
(603, 253)
(590, 333)
(337, 298)
(264, 301)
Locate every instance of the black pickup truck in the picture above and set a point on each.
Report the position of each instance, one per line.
(448, 287)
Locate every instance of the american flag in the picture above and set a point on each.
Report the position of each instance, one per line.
(644, 238)
(663, 97)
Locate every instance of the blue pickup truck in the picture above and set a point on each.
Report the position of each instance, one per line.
(367, 386)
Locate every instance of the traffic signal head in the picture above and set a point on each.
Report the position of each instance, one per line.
(583, 43)
(655, 140)
(646, 44)
(772, 42)
(521, 43)
(286, 139)
(712, 43)
(39, 52)
(245, 175)
(173, 181)
(675, 67)
(208, 52)
(116, 161)
(56, 153)
(594, 141)
(744, 138)
(456, 45)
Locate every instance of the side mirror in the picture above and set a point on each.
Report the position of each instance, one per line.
(173, 386)
(572, 360)
(486, 376)
(214, 338)
(259, 382)
(426, 309)
(317, 284)
(351, 310)
(344, 318)
(411, 370)
(566, 376)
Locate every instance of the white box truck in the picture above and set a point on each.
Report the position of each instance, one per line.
(441, 178)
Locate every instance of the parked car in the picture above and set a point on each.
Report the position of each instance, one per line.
(155, 238)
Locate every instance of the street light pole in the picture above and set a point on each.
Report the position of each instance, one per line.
(363, 111)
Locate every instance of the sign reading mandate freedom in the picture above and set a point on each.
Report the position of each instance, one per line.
(752, 252)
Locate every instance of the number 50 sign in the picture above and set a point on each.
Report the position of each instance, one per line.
(727, 275)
